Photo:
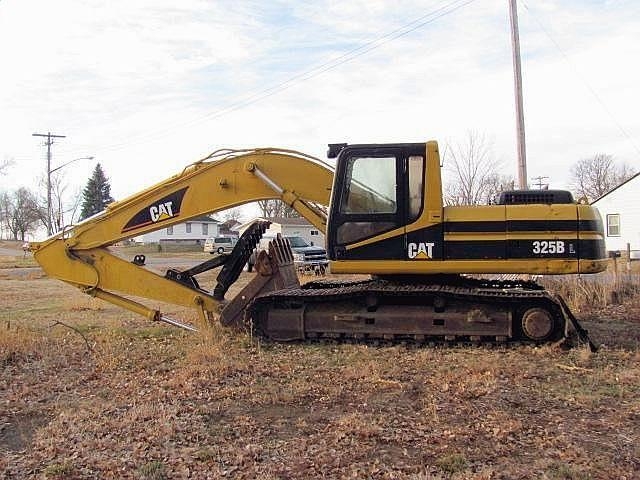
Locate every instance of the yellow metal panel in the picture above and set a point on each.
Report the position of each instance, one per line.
(532, 266)
(480, 213)
(100, 268)
(541, 212)
(463, 236)
(588, 212)
(546, 235)
(591, 236)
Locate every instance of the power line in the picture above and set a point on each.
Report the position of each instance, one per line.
(582, 79)
(430, 17)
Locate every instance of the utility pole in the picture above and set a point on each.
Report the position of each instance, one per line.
(517, 80)
(48, 142)
(540, 183)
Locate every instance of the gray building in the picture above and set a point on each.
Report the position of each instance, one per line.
(195, 231)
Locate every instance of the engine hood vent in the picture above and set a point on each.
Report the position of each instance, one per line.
(526, 197)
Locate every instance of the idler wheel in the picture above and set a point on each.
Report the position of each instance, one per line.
(537, 323)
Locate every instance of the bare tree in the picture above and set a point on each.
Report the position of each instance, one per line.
(4, 213)
(496, 184)
(288, 212)
(267, 208)
(64, 205)
(232, 214)
(276, 208)
(593, 177)
(21, 213)
(73, 207)
(5, 165)
(474, 172)
(65, 201)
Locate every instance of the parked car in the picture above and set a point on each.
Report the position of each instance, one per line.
(306, 258)
(219, 244)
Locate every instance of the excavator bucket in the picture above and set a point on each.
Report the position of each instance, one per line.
(275, 270)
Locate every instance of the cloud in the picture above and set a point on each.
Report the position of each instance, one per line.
(149, 86)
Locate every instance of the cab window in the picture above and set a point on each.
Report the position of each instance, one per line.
(416, 186)
(369, 199)
(370, 185)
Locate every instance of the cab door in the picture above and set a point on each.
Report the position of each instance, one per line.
(368, 210)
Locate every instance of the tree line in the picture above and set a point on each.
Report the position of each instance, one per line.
(475, 178)
(24, 210)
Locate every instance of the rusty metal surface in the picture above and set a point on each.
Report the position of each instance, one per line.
(467, 310)
(537, 323)
(274, 271)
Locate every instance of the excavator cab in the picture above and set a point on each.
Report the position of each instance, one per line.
(378, 190)
(386, 207)
(387, 218)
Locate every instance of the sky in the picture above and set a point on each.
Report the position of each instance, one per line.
(149, 86)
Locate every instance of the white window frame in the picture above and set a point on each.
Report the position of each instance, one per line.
(613, 225)
(205, 229)
(170, 230)
(188, 227)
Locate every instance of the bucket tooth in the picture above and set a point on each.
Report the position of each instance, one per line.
(274, 271)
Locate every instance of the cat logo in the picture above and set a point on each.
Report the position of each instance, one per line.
(161, 211)
(420, 251)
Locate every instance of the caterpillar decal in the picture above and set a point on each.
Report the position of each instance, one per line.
(165, 208)
(420, 250)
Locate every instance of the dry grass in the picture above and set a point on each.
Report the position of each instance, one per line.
(590, 292)
(152, 402)
(17, 261)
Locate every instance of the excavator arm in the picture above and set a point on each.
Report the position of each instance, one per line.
(80, 255)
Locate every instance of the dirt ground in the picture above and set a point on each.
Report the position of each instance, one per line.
(118, 397)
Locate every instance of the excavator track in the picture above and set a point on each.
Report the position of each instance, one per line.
(460, 311)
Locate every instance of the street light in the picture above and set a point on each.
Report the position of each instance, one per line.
(49, 172)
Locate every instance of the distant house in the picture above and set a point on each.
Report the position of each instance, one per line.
(620, 210)
(292, 227)
(229, 228)
(196, 230)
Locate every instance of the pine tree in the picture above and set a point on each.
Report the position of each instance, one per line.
(96, 195)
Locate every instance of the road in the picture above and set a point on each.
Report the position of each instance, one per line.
(10, 252)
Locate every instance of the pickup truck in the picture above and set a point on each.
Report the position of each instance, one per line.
(307, 258)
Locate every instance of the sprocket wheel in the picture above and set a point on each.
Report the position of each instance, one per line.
(537, 324)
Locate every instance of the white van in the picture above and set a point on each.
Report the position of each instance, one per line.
(220, 244)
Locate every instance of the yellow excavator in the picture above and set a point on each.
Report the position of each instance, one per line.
(382, 212)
